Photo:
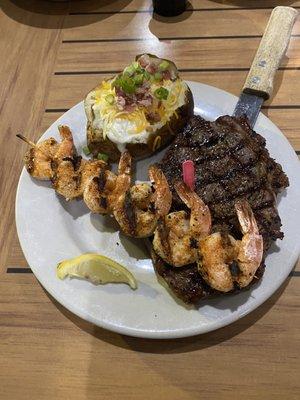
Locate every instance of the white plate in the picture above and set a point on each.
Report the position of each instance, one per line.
(50, 230)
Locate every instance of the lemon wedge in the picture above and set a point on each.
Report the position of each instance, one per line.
(97, 269)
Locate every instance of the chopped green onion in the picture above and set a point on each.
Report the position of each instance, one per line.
(158, 76)
(138, 79)
(110, 99)
(86, 150)
(102, 156)
(130, 70)
(147, 76)
(126, 83)
(138, 68)
(163, 66)
(136, 65)
(161, 93)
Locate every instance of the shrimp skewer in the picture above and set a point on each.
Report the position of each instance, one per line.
(176, 239)
(39, 157)
(58, 162)
(137, 209)
(225, 261)
(42, 158)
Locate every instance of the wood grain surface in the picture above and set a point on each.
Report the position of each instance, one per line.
(52, 53)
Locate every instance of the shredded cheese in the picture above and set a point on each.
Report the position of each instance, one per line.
(110, 112)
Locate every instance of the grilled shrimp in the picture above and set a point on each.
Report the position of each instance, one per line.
(250, 249)
(66, 147)
(66, 179)
(98, 186)
(217, 252)
(41, 159)
(176, 238)
(225, 261)
(138, 208)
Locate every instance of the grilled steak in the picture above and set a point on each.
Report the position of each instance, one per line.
(231, 163)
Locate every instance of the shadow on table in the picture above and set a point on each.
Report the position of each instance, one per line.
(45, 13)
(172, 346)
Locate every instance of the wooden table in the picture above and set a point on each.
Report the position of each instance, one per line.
(52, 55)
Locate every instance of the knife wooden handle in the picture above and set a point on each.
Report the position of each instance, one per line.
(270, 52)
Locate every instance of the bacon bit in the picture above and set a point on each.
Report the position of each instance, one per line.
(144, 60)
(153, 117)
(188, 170)
(151, 68)
(140, 90)
(129, 108)
(166, 75)
(128, 102)
(146, 101)
(121, 103)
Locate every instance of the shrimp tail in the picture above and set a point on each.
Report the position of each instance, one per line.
(163, 195)
(200, 214)
(246, 217)
(250, 253)
(65, 132)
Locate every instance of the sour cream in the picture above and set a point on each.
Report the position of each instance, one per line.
(122, 131)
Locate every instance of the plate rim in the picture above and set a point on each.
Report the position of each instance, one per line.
(156, 334)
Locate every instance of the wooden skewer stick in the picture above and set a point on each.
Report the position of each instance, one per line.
(26, 140)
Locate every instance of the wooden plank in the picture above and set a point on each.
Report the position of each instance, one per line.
(15, 257)
(29, 52)
(42, 339)
(67, 90)
(48, 119)
(207, 4)
(203, 24)
(194, 54)
(124, 6)
(288, 122)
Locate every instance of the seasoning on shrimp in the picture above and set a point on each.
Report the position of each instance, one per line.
(226, 261)
(177, 236)
(137, 209)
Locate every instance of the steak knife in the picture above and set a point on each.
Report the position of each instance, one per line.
(259, 82)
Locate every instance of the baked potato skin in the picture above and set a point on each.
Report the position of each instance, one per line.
(97, 144)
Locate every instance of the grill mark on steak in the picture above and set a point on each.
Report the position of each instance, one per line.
(232, 163)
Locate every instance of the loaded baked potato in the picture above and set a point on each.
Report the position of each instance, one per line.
(140, 109)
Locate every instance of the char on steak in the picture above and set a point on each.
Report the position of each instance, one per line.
(231, 163)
